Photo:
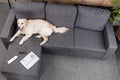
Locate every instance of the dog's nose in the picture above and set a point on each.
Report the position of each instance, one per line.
(18, 27)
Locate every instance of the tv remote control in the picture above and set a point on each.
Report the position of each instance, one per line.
(12, 59)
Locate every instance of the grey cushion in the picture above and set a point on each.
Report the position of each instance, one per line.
(92, 18)
(16, 70)
(89, 43)
(60, 43)
(29, 10)
(61, 15)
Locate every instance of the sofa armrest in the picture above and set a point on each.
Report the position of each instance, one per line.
(110, 40)
(8, 28)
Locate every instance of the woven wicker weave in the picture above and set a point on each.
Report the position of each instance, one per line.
(86, 2)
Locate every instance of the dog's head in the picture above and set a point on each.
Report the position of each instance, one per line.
(22, 23)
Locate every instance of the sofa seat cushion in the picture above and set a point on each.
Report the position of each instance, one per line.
(16, 71)
(60, 43)
(89, 43)
(29, 10)
(92, 18)
(61, 15)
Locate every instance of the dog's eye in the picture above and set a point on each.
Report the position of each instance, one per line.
(21, 23)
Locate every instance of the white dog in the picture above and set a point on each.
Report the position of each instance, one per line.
(38, 26)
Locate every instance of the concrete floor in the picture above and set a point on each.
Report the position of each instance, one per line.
(4, 9)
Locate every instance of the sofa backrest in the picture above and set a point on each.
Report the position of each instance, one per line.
(92, 18)
(29, 10)
(61, 15)
(64, 15)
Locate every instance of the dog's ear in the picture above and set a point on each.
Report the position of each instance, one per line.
(18, 21)
(26, 22)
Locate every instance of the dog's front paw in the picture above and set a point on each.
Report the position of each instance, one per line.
(11, 39)
(20, 43)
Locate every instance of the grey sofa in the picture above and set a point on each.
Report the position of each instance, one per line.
(15, 70)
(90, 34)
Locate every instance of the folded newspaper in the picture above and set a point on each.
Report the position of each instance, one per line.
(29, 60)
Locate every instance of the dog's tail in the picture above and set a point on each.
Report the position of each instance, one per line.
(60, 29)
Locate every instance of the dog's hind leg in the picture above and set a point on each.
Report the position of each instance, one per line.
(24, 39)
(45, 39)
(38, 36)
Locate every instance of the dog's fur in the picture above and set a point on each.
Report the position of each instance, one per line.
(38, 26)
